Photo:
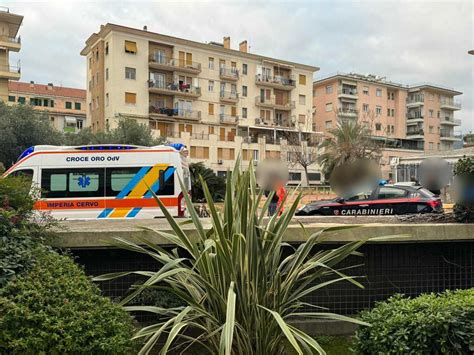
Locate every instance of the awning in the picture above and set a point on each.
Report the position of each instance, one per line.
(130, 46)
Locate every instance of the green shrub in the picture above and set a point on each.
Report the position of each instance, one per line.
(54, 308)
(464, 184)
(428, 324)
(15, 194)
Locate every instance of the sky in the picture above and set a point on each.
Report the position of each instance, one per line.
(405, 41)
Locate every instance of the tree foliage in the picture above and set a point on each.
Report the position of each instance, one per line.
(349, 141)
(20, 128)
(242, 285)
(215, 183)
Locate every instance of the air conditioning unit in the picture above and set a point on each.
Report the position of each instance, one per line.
(220, 162)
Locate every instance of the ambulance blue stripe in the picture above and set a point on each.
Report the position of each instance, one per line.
(133, 212)
(132, 183)
(105, 212)
(156, 186)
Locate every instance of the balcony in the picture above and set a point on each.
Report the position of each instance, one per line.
(415, 118)
(171, 113)
(416, 133)
(449, 121)
(228, 119)
(229, 74)
(12, 43)
(447, 135)
(10, 72)
(416, 100)
(172, 64)
(169, 88)
(282, 105)
(288, 123)
(231, 97)
(278, 82)
(450, 104)
(347, 93)
(348, 112)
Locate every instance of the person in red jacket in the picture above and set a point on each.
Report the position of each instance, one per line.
(281, 193)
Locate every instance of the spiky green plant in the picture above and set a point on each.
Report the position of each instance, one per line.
(241, 290)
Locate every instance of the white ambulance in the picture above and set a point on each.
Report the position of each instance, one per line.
(106, 181)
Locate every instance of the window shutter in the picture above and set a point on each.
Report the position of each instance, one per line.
(130, 47)
(130, 98)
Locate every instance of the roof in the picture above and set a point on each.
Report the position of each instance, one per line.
(153, 36)
(376, 79)
(45, 90)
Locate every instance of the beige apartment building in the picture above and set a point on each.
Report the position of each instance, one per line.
(9, 42)
(405, 119)
(65, 107)
(219, 101)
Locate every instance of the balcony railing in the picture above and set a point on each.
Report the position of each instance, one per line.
(176, 112)
(347, 91)
(173, 62)
(229, 95)
(11, 39)
(415, 99)
(10, 68)
(183, 88)
(228, 118)
(415, 116)
(452, 103)
(446, 134)
(415, 132)
(279, 80)
(272, 101)
(348, 111)
(229, 73)
(451, 120)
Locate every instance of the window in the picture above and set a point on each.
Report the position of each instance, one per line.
(431, 129)
(106, 48)
(211, 109)
(329, 107)
(329, 90)
(302, 79)
(365, 90)
(378, 126)
(130, 73)
(21, 100)
(117, 180)
(378, 110)
(301, 119)
(130, 47)
(225, 153)
(388, 112)
(72, 183)
(244, 112)
(393, 112)
(302, 100)
(244, 91)
(360, 196)
(69, 105)
(199, 152)
(431, 145)
(439, 114)
(97, 77)
(328, 124)
(11, 98)
(378, 93)
(295, 176)
(77, 106)
(365, 107)
(130, 98)
(107, 99)
(210, 86)
(106, 74)
(255, 154)
(391, 192)
(211, 63)
(314, 176)
(431, 113)
(244, 69)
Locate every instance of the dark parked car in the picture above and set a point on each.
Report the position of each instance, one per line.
(383, 200)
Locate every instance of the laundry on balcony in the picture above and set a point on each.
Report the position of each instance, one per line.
(164, 111)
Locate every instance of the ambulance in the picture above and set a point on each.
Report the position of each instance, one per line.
(106, 181)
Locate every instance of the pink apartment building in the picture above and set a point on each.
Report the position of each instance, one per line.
(406, 119)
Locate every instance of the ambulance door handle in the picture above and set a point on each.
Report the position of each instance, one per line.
(363, 205)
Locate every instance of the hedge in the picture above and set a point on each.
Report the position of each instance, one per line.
(428, 324)
(55, 309)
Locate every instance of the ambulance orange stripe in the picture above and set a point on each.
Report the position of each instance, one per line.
(100, 204)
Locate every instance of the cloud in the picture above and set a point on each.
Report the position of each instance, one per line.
(407, 42)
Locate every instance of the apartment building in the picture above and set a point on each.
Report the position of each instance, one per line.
(9, 42)
(219, 101)
(405, 119)
(65, 107)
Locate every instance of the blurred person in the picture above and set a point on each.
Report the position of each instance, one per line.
(281, 194)
(272, 207)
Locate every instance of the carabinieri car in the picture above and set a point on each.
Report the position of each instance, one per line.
(383, 200)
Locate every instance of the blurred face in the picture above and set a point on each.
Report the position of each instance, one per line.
(272, 174)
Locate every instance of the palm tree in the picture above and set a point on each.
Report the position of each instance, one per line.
(215, 183)
(349, 141)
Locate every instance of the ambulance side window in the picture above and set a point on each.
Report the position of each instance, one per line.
(26, 173)
(68, 183)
